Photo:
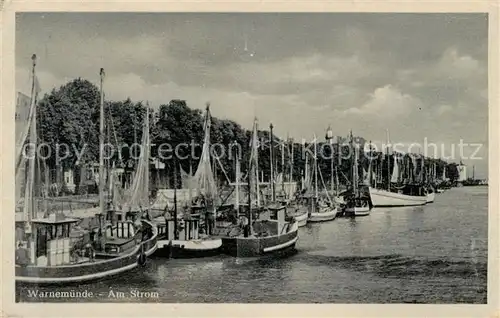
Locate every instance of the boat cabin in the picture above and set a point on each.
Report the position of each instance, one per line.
(188, 228)
(272, 221)
(52, 240)
(121, 231)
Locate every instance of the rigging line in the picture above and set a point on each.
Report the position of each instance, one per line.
(226, 198)
(324, 186)
(114, 133)
(347, 179)
(222, 168)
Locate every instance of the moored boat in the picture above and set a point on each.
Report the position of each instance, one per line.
(358, 210)
(266, 236)
(272, 231)
(430, 196)
(192, 235)
(384, 198)
(399, 190)
(321, 208)
(357, 204)
(298, 211)
(47, 249)
(301, 218)
(323, 215)
(58, 261)
(188, 243)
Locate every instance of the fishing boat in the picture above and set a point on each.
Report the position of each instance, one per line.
(298, 211)
(431, 195)
(192, 235)
(357, 205)
(335, 192)
(47, 249)
(321, 208)
(272, 231)
(294, 207)
(397, 193)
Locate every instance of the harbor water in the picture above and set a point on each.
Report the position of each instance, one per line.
(430, 254)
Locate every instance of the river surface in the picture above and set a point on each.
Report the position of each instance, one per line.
(431, 254)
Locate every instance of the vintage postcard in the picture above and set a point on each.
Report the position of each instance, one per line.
(163, 159)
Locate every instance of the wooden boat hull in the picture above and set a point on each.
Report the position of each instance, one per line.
(77, 273)
(323, 216)
(430, 197)
(260, 246)
(190, 248)
(384, 198)
(358, 211)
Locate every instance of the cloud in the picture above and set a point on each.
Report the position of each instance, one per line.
(442, 109)
(365, 72)
(458, 67)
(385, 102)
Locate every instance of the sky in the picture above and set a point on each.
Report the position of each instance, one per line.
(421, 77)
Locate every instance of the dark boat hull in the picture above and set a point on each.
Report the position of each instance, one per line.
(189, 249)
(260, 246)
(77, 273)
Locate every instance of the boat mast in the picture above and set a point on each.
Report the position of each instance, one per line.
(273, 188)
(354, 167)
(291, 169)
(251, 162)
(237, 186)
(101, 148)
(147, 151)
(306, 171)
(315, 169)
(329, 138)
(370, 174)
(388, 163)
(249, 212)
(176, 235)
(283, 168)
(256, 146)
(337, 168)
(29, 192)
(108, 160)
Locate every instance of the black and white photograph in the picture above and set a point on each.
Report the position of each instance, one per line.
(252, 158)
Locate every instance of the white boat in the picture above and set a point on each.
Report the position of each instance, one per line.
(319, 210)
(430, 197)
(358, 205)
(440, 190)
(384, 198)
(358, 210)
(301, 219)
(189, 243)
(323, 214)
(298, 211)
(394, 196)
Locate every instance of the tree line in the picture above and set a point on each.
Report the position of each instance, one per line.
(70, 115)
